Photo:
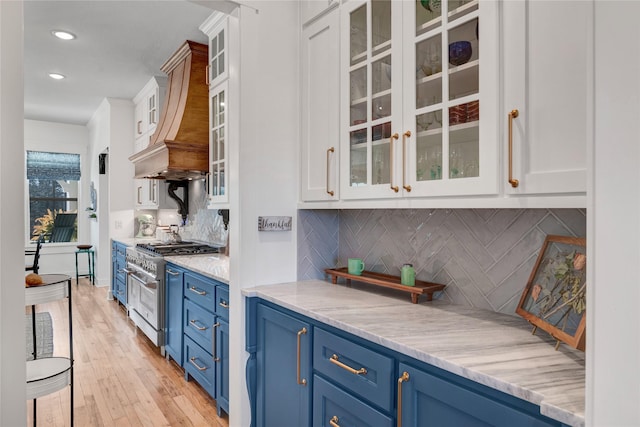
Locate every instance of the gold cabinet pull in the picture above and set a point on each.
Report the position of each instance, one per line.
(334, 359)
(302, 381)
(192, 360)
(512, 115)
(333, 422)
(200, 328)
(213, 341)
(403, 378)
(329, 151)
(206, 74)
(405, 135)
(391, 172)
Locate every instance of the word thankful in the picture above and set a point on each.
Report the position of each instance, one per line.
(274, 223)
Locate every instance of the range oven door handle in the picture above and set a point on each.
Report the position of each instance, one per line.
(146, 284)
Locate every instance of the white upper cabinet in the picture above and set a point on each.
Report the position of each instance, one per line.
(147, 194)
(548, 58)
(414, 80)
(147, 110)
(217, 29)
(310, 9)
(146, 113)
(320, 115)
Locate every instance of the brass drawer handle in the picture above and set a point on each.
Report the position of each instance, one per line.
(403, 378)
(302, 381)
(333, 422)
(329, 151)
(197, 291)
(200, 328)
(334, 359)
(512, 115)
(405, 135)
(192, 360)
(391, 172)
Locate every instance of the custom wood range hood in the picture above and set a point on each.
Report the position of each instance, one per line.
(179, 148)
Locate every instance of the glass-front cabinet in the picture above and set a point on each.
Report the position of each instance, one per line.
(217, 147)
(217, 29)
(415, 78)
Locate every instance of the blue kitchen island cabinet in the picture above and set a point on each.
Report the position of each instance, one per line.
(173, 341)
(283, 368)
(302, 372)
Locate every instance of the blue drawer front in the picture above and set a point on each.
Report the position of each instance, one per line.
(376, 385)
(198, 324)
(121, 291)
(222, 302)
(200, 366)
(332, 403)
(200, 290)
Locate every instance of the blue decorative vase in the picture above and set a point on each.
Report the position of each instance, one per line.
(459, 52)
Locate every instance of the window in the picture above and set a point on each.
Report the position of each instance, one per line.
(53, 181)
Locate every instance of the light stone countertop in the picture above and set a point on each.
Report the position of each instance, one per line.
(215, 266)
(493, 349)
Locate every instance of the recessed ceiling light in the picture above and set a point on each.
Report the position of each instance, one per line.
(64, 35)
(56, 76)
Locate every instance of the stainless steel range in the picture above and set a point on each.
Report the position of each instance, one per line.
(145, 283)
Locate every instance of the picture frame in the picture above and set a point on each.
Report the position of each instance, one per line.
(554, 298)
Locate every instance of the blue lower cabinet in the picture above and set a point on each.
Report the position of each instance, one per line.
(196, 336)
(362, 371)
(348, 381)
(199, 324)
(121, 292)
(429, 400)
(283, 367)
(173, 313)
(332, 406)
(199, 365)
(118, 275)
(222, 366)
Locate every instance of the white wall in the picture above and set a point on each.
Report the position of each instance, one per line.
(263, 166)
(12, 340)
(110, 130)
(62, 138)
(613, 340)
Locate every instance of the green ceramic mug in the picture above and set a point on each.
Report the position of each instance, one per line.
(355, 266)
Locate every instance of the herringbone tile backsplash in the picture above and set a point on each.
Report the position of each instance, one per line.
(484, 256)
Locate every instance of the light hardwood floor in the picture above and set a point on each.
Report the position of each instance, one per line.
(120, 377)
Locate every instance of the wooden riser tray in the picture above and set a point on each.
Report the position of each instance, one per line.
(387, 281)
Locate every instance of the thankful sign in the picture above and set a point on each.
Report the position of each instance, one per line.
(274, 223)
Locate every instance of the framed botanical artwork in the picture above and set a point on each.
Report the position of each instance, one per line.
(554, 299)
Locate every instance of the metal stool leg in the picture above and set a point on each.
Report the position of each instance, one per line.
(93, 268)
(77, 268)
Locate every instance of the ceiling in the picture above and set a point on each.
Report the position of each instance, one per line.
(120, 45)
